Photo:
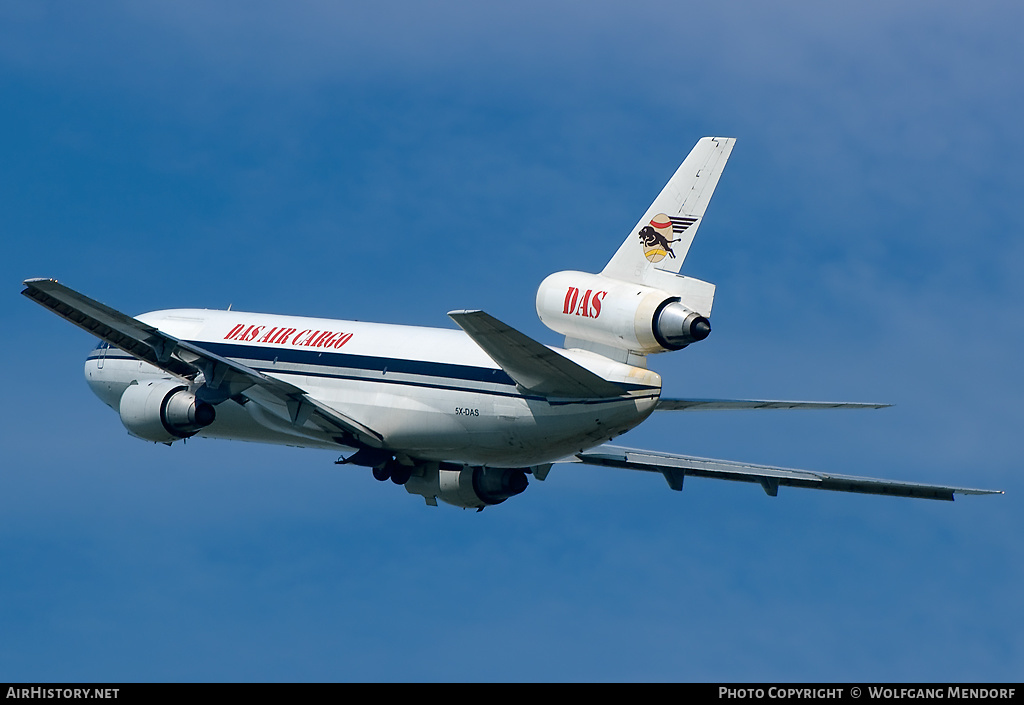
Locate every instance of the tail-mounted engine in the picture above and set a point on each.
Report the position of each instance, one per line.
(620, 314)
(163, 411)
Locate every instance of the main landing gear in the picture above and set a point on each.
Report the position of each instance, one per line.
(393, 470)
(385, 466)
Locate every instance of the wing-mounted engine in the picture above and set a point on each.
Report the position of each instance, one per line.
(625, 315)
(466, 487)
(163, 411)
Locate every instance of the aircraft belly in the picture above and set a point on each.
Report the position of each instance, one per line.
(496, 427)
(552, 430)
(251, 422)
(410, 418)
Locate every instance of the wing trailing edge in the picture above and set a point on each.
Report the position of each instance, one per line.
(676, 467)
(733, 404)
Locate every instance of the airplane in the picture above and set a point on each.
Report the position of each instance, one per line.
(458, 415)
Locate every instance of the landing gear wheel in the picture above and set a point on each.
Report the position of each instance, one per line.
(381, 473)
(401, 474)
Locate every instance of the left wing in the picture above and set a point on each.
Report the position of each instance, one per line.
(222, 378)
(676, 467)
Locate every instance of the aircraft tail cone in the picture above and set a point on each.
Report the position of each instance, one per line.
(701, 329)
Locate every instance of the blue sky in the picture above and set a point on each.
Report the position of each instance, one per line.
(395, 163)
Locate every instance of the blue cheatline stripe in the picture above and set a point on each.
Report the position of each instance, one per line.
(359, 362)
(336, 362)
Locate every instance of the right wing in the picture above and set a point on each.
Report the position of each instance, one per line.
(729, 404)
(535, 367)
(675, 467)
(223, 378)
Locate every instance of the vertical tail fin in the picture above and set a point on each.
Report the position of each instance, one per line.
(660, 241)
(640, 304)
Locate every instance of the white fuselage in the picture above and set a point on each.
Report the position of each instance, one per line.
(432, 394)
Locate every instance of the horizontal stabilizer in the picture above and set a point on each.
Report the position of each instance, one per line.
(730, 404)
(224, 378)
(676, 467)
(534, 367)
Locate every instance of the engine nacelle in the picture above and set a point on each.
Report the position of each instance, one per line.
(616, 313)
(163, 411)
(468, 487)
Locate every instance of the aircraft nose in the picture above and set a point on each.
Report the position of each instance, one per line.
(100, 382)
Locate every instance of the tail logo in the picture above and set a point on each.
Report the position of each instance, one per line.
(656, 238)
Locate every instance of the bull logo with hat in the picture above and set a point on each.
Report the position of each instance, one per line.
(656, 238)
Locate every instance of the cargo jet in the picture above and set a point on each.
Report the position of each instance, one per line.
(464, 416)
